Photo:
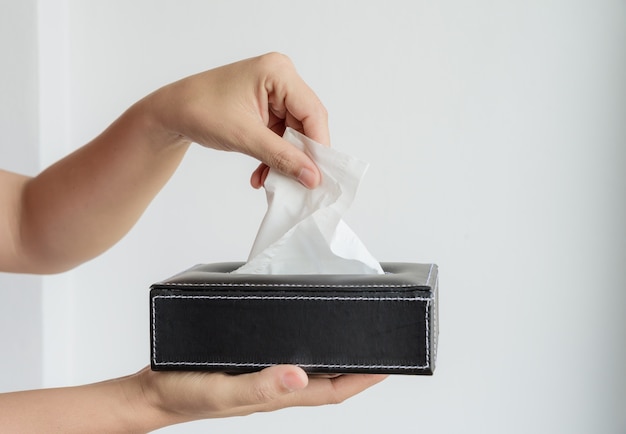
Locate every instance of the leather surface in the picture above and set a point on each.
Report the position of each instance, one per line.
(208, 319)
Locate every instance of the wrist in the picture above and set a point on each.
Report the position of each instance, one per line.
(143, 409)
(148, 118)
(147, 398)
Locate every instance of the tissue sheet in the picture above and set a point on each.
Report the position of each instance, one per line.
(303, 231)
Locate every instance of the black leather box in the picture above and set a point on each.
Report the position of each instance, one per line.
(207, 318)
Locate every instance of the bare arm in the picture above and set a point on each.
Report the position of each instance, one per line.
(83, 204)
(86, 202)
(149, 400)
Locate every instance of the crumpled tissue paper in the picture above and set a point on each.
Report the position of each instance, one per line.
(303, 231)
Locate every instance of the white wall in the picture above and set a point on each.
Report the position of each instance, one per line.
(497, 140)
(20, 296)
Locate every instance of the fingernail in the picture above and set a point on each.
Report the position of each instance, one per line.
(291, 381)
(307, 178)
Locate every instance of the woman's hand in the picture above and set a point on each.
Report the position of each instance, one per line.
(150, 400)
(184, 396)
(83, 204)
(245, 107)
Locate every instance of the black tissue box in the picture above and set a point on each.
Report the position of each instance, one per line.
(209, 319)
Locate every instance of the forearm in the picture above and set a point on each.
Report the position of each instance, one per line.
(115, 406)
(83, 204)
(86, 202)
(150, 400)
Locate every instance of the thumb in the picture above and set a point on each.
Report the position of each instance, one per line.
(269, 384)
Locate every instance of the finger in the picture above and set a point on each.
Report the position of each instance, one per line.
(303, 107)
(281, 155)
(261, 388)
(289, 94)
(259, 175)
(335, 390)
(322, 391)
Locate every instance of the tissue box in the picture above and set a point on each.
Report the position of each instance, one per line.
(208, 319)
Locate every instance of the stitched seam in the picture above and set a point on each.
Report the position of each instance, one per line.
(293, 297)
(254, 365)
(299, 285)
(435, 317)
(303, 365)
(427, 333)
(287, 285)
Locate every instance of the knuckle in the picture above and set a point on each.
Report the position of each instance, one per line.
(281, 161)
(275, 60)
(322, 111)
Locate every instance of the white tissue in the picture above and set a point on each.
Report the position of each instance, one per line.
(303, 231)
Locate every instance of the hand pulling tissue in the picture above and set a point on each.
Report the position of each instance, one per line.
(310, 294)
(303, 231)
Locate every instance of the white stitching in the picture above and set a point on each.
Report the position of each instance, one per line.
(435, 290)
(303, 365)
(152, 322)
(287, 285)
(259, 365)
(427, 334)
(293, 297)
(299, 285)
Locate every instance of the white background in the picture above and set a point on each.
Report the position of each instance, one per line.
(496, 133)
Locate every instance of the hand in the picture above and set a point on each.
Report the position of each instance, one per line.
(150, 400)
(186, 396)
(245, 107)
(83, 204)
